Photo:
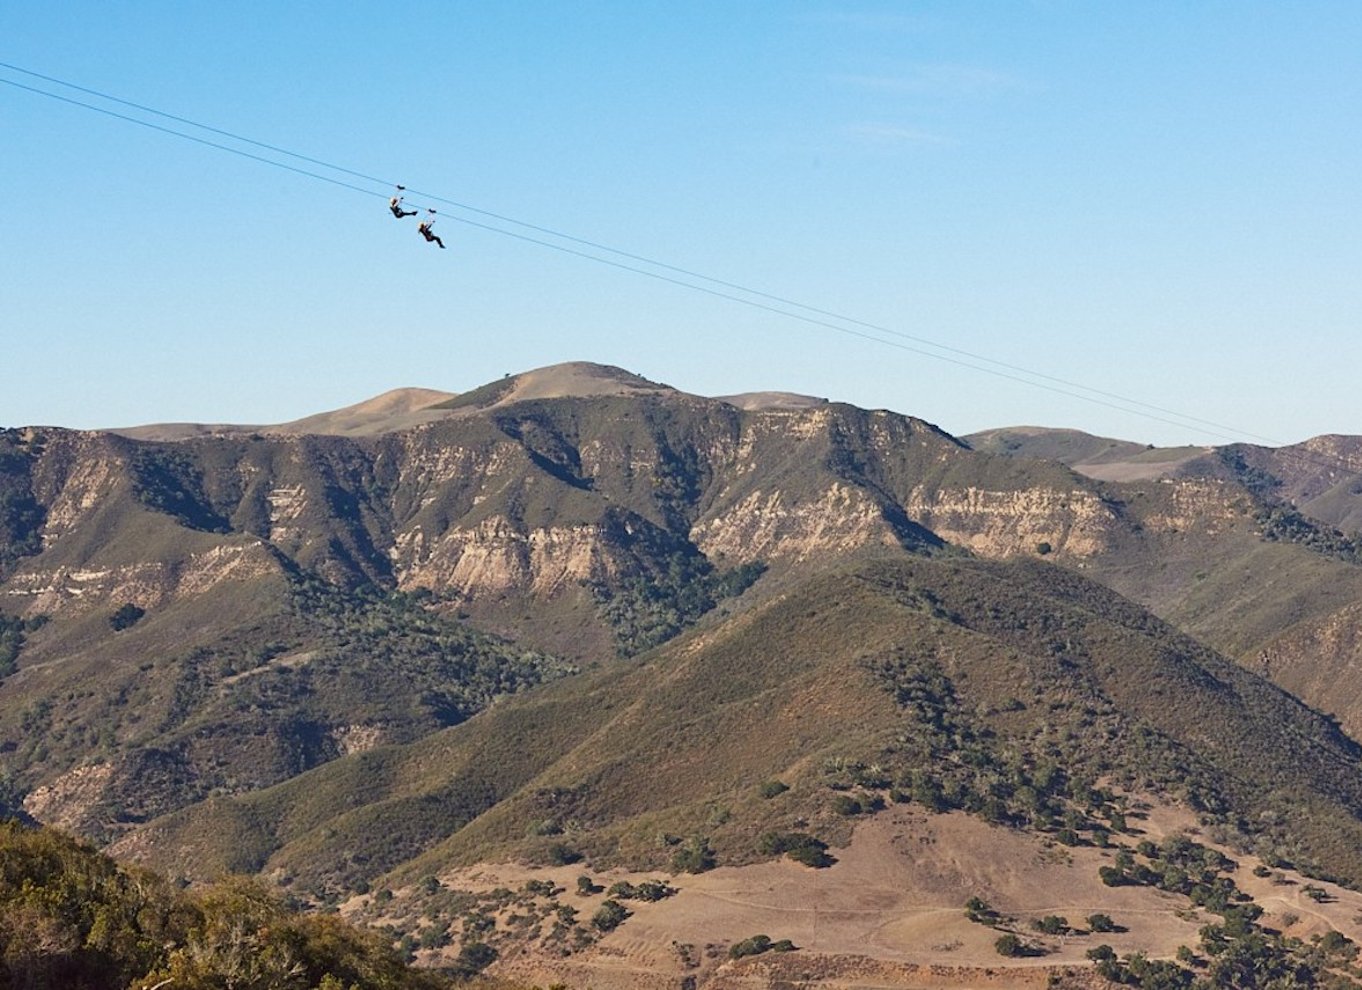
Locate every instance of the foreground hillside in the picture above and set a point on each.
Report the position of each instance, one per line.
(70, 918)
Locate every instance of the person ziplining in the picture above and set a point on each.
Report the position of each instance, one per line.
(395, 204)
(424, 229)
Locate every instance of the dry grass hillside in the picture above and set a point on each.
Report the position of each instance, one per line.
(891, 910)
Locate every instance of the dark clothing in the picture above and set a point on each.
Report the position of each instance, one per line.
(428, 234)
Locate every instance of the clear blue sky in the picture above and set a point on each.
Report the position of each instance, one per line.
(1159, 200)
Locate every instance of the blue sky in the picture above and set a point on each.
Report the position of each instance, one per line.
(1159, 201)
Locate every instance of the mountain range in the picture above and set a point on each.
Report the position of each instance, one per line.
(575, 619)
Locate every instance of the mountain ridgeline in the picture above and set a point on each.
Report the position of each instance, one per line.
(573, 611)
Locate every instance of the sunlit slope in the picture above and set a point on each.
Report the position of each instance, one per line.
(1033, 666)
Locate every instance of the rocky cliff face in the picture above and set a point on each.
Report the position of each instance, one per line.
(537, 500)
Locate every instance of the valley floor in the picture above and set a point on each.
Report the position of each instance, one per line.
(891, 912)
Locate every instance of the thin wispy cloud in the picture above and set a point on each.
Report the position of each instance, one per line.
(895, 135)
(938, 80)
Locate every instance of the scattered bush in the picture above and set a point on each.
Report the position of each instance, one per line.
(648, 890)
(126, 616)
(474, 957)
(561, 854)
(434, 937)
(799, 846)
(758, 944)
(772, 788)
(1051, 924)
(693, 856)
(753, 946)
(609, 916)
(1101, 923)
(980, 912)
(845, 804)
(1010, 945)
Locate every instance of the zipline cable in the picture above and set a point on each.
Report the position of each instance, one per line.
(190, 137)
(784, 301)
(1121, 403)
(813, 321)
(186, 120)
(1221, 429)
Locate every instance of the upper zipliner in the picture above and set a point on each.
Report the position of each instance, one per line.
(395, 204)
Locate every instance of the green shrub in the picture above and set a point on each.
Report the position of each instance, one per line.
(799, 846)
(753, 946)
(845, 804)
(474, 957)
(126, 616)
(693, 856)
(978, 911)
(652, 890)
(1010, 945)
(609, 916)
(1051, 924)
(772, 788)
(561, 854)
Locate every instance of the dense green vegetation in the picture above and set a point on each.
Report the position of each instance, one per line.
(1283, 523)
(21, 517)
(1256, 479)
(647, 610)
(126, 616)
(70, 918)
(12, 631)
(799, 846)
(262, 703)
(1236, 951)
(166, 478)
(450, 669)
